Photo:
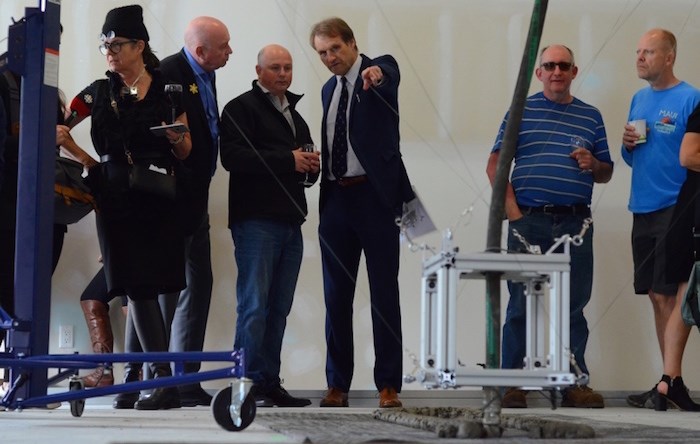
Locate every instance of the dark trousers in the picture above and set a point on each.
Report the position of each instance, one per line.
(186, 313)
(96, 290)
(353, 220)
(542, 229)
(7, 264)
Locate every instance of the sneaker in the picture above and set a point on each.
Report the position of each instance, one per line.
(582, 396)
(643, 400)
(514, 398)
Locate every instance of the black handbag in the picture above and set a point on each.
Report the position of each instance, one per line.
(72, 198)
(143, 177)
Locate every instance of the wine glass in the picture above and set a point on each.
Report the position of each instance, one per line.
(307, 148)
(173, 91)
(576, 143)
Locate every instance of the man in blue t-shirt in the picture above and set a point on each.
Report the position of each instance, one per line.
(657, 176)
(562, 150)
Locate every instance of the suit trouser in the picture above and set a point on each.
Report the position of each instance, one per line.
(187, 314)
(353, 220)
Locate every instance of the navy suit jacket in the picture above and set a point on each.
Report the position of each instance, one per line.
(373, 128)
(176, 69)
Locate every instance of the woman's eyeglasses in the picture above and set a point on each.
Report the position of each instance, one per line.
(114, 47)
(551, 66)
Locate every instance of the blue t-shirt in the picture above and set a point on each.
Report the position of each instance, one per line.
(544, 173)
(657, 174)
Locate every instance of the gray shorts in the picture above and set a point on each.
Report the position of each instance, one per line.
(649, 232)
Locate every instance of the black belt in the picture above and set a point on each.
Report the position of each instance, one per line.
(574, 210)
(350, 181)
(112, 158)
(121, 157)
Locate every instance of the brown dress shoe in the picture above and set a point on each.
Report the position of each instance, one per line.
(388, 398)
(582, 396)
(334, 398)
(514, 398)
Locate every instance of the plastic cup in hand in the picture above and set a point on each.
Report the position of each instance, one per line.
(307, 148)
(576, 143)
(640, 126)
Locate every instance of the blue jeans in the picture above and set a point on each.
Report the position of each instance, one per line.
(541, 229)
(268, 255)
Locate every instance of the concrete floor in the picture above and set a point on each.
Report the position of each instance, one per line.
(102, 424)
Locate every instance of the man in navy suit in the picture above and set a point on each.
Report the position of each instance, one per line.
(206, 50)
(363, 187)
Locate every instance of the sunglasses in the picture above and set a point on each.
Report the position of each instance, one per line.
(551, 66)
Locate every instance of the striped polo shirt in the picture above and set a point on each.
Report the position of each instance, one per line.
(544, 173)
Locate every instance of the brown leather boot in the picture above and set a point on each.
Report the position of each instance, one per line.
(97, 319)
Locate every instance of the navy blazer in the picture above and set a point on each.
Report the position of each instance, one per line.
(373, 129)
(176, 69)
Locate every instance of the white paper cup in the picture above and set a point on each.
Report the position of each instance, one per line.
(640, 126)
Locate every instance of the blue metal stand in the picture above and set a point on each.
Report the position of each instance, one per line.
(26, 365)
(33, 54)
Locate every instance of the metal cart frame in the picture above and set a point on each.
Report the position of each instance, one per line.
(546, 279)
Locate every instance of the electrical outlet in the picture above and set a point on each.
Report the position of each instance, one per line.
(65, 336)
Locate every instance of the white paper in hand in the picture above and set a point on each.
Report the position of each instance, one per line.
(415, 219)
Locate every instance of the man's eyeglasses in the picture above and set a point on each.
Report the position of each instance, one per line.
(114, 47)
(551, 66)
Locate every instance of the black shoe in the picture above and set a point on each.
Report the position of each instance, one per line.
(645, 400)
(125, 400)
(281, 398)
(192, 397)
(261, 399)
(677, 396)
(163, 398)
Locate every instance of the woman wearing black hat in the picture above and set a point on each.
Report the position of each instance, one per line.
(141, 242)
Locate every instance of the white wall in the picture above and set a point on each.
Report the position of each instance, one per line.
(459, 61)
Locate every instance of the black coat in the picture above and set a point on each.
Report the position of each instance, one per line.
(256, 145)
(177, 69)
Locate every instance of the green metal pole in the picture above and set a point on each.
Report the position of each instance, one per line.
(497, 210)
(492, 399)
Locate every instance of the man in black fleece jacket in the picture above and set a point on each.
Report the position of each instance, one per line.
(261, 139)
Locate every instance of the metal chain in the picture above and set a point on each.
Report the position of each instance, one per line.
(411, 377)
(532, 249)
(578, 239)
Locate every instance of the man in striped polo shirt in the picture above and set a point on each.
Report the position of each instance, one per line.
(562, 150)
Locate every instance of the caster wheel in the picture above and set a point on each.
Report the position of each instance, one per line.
(220, 408)
(77, 406)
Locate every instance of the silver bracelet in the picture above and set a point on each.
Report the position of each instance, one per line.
(178, 140)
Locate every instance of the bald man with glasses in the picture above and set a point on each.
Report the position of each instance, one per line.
(562, 150)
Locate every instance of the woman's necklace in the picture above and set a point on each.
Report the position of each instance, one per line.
(133, 88)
